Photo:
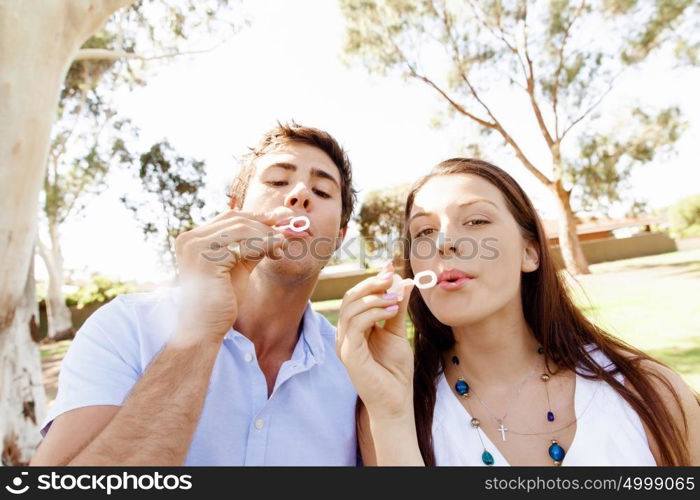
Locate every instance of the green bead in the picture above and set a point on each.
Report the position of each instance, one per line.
(487, 458)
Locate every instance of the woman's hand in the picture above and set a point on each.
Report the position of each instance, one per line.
(378, 358)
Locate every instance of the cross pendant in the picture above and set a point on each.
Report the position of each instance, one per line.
(503, 431)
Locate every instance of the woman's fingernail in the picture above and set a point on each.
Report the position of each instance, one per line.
(392, 308)
(390, 296)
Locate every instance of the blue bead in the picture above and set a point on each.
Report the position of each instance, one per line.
(550, 416)
(487, 458)
(461, 387)
(556, 452)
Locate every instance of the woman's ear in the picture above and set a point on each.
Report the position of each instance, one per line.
(531, 258)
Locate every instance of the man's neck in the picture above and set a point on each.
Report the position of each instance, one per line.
(271, 314)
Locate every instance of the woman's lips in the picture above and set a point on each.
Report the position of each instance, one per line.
(453, 279)
(453, 285)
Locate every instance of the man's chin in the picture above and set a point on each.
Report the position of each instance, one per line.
(292, 270)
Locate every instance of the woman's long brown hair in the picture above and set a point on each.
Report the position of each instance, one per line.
(558, 325)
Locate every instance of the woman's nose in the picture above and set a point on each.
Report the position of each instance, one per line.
(446, 241)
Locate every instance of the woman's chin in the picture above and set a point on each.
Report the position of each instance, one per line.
(448, 315)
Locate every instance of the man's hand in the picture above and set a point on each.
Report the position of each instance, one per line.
(213, 280)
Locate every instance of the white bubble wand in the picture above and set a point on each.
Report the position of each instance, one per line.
(305, 224)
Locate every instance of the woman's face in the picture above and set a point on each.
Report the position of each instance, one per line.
(462, 230)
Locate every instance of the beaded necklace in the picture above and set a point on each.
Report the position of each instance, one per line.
(461, 387)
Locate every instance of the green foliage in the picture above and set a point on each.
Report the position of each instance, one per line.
(685, 216)
(172, 184)
(601, 173)
(381, 218)
(101, 289)
(563, 57)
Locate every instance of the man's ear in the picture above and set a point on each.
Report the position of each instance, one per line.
(341, 236)
(531, 258)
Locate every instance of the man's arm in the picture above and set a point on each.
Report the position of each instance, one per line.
(154, 426)
(156, 422)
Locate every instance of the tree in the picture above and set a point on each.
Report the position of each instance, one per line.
(173, 184)
(87, 138)
(38, 42)
(34, 56)
(381, 220)
(562, 57)
(89, 134)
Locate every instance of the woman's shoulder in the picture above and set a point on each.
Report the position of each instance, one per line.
(676, 395)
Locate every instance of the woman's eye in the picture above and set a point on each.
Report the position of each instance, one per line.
(277, 183)
(476, 222)
(322, 194)
(424, 232)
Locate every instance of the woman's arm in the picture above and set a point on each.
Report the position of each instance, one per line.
(689, 406)
(396, 443)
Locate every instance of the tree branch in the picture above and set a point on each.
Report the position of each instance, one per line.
(593, 106)
(115, 55)
(560, 68)
(496, 123)
(531, 92)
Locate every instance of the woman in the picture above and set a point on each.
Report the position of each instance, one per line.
(507, 370)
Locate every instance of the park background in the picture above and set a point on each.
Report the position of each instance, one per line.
(160, 104)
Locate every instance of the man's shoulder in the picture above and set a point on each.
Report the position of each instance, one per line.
(133, 321)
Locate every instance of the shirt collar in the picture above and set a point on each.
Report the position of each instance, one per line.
(310, 338)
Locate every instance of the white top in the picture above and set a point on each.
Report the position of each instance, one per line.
(309, 419)
(608, 432)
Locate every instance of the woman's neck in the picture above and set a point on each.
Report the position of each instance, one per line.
(498, 351)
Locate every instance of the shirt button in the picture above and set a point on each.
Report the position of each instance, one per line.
(259, 423)
(248, 357)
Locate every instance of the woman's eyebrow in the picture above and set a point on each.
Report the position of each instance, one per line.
(461, 205)
(478, 200)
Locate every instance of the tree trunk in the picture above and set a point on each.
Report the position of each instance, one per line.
(38, 40)
(21, 384)
(571, 250)
(60, 322)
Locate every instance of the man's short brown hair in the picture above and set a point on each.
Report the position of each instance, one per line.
(293, 133)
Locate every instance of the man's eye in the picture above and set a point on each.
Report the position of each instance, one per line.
(476, 222)
(424, 232)
(322, 194)
(277, 183)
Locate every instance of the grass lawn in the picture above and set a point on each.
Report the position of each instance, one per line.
(652, 302)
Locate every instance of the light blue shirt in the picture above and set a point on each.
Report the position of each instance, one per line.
(309, 419)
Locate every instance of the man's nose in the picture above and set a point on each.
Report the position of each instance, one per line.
(299, 197)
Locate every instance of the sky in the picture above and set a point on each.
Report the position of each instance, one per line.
(286, 65)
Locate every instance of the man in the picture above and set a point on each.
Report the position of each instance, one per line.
(232, 367)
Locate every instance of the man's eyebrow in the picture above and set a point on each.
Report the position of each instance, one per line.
(461, 205)
(315, 172)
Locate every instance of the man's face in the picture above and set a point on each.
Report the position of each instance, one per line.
(299, 180)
